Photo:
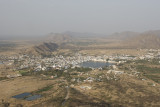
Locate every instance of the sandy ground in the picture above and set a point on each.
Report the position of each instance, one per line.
(11, 87)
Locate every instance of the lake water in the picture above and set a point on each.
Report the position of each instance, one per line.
(93, 64)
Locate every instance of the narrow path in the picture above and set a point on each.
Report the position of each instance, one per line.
(67, 96)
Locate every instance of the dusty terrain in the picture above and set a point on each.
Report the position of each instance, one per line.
(12, 87)
(70, 88)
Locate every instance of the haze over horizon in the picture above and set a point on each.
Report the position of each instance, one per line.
(39, 17)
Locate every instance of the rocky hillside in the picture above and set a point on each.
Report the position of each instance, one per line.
(145, 40)
(43, 49)
(148, 39)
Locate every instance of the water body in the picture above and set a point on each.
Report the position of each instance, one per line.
(34, 97)
(92, 64)
(27, 96)
(22, 96)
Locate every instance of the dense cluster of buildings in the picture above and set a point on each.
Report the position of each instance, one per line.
(39, 63)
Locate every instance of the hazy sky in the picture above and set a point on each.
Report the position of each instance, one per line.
(39, 17)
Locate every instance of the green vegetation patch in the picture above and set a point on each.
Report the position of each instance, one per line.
(44, 89)
(145, 69)
(3, 78)
(141, 61)
(152, 73)
(81, 69)
(152, 61)
(155, 78)
(24, 73)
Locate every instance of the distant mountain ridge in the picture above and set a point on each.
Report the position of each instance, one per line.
(124, 35)
(58, 38)
(67, 37)
(83, 35)
(128, 39)
(128, 34)
(155, 32)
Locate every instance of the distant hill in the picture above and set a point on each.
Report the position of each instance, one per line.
(153, 32)
(70, 37)
(127, 39)
(148, 39)
(144, 40)
(43, 49)
(123, 35)
(58, 38)
(83, 35)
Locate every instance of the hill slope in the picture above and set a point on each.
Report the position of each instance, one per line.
(43, 49)
(145, 40)
(124, 35)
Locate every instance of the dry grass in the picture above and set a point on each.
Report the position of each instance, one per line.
(11, 87)
(128, 91)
